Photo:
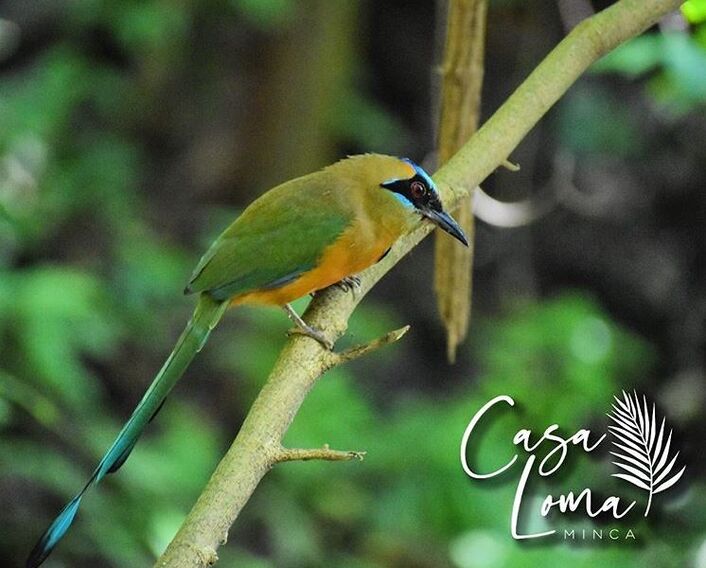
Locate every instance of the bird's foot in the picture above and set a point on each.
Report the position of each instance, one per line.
(309, 331)
(303, 328)
(349, 283)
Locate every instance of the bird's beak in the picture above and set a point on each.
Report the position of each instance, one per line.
(445, 222)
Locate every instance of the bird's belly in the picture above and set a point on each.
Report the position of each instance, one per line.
(353, 252)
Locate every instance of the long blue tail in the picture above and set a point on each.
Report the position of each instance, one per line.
(206, 315)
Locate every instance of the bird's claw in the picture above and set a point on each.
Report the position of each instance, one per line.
(309, 331)
(349, 283)
(303, 328)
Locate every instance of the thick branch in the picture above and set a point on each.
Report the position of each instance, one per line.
(303, 360)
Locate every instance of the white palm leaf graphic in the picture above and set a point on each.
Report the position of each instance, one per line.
(643, 448)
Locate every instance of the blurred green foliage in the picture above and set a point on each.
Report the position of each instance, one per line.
(676, 62)
(267, 13)
(694, 10)
(410, 504)
(615, 133)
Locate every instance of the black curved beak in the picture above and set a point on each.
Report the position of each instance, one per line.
(446, 222)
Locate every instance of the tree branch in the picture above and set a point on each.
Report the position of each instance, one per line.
(360, 350)
(462, 79)
(325, 453)
(303, 360)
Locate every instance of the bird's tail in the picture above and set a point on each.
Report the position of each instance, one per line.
(206, 315)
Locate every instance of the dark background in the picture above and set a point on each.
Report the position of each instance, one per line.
(131, 133)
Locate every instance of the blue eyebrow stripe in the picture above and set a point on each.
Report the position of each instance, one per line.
(421, 172)
(406, 202)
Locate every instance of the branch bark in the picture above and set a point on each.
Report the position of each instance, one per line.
(462, 79)
(302, 360)
(325, 453)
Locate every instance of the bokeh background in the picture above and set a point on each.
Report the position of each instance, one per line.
(132, 132)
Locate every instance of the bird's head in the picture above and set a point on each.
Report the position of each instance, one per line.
(417, 191)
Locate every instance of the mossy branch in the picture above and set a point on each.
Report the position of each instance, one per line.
(258, 446)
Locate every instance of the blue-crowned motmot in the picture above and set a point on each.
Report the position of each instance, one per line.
(300, 237)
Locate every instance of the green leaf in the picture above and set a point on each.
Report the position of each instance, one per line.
(59, 315)
(694, 11)
(685, 64)
(634, 58)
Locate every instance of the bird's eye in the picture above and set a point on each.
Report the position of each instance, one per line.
(417, 189)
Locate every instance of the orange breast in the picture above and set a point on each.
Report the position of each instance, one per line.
(355, 250)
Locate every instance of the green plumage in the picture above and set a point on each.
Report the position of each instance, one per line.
(271, 242)
(206, 315)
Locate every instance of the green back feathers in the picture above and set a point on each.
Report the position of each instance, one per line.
(278, 237)
(284, 232)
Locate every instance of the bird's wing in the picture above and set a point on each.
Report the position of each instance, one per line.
(278, 237)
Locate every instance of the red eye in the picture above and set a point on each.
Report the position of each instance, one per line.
(417, 189)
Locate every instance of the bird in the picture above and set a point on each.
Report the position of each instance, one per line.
(307, 234)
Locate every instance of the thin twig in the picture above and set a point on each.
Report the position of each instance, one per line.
(365, 348)
(324, 453)
(508, 165)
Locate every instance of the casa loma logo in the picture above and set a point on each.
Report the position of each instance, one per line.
(641, 452)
